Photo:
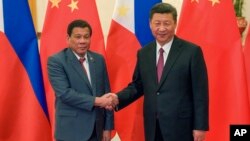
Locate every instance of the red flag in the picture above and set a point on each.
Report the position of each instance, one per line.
(206, 24)
(53, 39)
(247, 59)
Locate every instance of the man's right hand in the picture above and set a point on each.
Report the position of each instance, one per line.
(107, 101)
(103, 101)
(115, 101)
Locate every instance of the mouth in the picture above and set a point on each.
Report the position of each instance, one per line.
(162, 35)
(82, 47)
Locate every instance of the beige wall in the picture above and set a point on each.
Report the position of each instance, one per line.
(246, 13)
(246, 10)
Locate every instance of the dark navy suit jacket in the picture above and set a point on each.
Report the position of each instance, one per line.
(76, 114)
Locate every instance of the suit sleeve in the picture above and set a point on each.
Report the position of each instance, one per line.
(200, 91)
(134, 90)
(109, 115)
(60, 83)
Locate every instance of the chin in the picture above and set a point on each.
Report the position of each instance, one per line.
(81, 53)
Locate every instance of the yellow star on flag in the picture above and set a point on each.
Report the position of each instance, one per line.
(123, 10)
(55, 3)
(73, 5)
(214, 2)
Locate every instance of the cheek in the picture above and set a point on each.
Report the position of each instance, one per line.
(88, 41)
(172, 28)
(154, 30)
(72, 41)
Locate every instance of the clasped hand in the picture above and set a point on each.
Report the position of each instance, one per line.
(107, 101)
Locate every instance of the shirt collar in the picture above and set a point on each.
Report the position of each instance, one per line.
(78, 57)
(165, 46)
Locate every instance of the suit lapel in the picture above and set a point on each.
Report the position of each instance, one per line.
(174, 52)
(92, 71)
(152, 61)
(77, 66)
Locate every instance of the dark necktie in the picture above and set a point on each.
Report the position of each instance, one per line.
(82, 61)
(160, 64)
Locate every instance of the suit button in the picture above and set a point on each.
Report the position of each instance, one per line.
(157, 93)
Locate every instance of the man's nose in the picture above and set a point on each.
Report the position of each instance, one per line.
(162, 28)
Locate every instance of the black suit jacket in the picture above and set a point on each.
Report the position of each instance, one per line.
(180, 100)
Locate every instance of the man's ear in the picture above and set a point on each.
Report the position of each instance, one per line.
(67, 38)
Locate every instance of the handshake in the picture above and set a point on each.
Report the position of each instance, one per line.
(107, 101)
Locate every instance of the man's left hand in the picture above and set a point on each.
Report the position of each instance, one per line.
(199, 135)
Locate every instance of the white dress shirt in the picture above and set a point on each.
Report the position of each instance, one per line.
(166, 49)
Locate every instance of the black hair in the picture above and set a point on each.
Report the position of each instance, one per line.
(78, 23)
(163, 8)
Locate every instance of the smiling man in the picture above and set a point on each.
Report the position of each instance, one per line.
(80, 80)
(171, 74)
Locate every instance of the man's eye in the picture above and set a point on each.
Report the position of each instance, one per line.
(157, 24)
(78, 37)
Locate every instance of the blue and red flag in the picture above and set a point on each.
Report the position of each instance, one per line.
(23, 109)
(129, 31)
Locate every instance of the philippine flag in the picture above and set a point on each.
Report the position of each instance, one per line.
(129, 31)
(23, 108)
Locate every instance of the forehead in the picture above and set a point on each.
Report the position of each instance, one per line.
(162, 16)
(78, 30)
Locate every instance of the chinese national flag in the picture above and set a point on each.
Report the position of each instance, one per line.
(53, 39)
(206, 24)
(247, 59)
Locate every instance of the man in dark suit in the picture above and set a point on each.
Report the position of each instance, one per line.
(80, 89)
(175, 98)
